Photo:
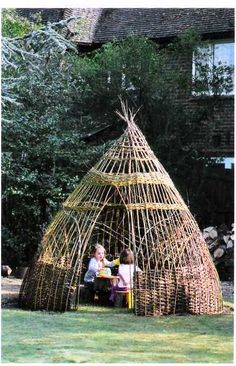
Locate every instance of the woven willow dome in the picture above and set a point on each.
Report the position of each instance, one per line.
(127, 200)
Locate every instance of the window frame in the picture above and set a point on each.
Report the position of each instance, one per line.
(213, 43)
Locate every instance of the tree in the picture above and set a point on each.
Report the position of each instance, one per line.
(43, 156)
(55, 98)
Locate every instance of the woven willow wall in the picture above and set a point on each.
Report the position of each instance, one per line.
(127, 200)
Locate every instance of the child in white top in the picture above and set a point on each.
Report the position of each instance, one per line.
(126, 269)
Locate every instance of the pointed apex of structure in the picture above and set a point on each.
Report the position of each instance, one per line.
(127, 114)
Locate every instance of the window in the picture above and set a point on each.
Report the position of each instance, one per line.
(227, 161)
(213, 67)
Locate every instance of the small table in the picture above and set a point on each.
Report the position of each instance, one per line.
(104, 282)
(102, 287)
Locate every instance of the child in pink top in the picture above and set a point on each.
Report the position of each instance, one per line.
(126, 269)
(125, 272)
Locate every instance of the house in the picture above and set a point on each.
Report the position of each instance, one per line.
(96, 26)
(163, 25)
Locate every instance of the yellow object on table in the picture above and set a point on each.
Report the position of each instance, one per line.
(116, 261)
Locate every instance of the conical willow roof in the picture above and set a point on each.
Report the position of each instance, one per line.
(127, 200)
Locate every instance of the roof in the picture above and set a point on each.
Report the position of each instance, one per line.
(158, 23)
(83, 28)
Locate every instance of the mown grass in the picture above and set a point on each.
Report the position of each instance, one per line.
(108, 335)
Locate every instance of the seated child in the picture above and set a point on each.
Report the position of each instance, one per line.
(125, 272)
(97, 263)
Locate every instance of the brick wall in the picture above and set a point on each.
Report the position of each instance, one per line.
(218, 111)
(219, 182)
(221, 116)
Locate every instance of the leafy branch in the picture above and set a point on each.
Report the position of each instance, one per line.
(30, 53)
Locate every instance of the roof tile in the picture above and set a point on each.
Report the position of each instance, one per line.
(107, 24)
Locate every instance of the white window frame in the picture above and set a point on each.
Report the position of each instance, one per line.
(228, 161)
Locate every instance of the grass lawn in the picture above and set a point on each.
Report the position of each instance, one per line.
(110, 335)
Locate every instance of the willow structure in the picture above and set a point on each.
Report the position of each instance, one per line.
(127, 200)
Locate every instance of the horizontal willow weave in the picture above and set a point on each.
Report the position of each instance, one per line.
(127, 200)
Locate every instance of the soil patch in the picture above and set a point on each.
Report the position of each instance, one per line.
(10, 291)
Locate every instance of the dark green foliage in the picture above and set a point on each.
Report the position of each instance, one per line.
(52, 106)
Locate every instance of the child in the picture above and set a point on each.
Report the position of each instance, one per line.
(125, 272)
(126, 269)
(96, 264)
